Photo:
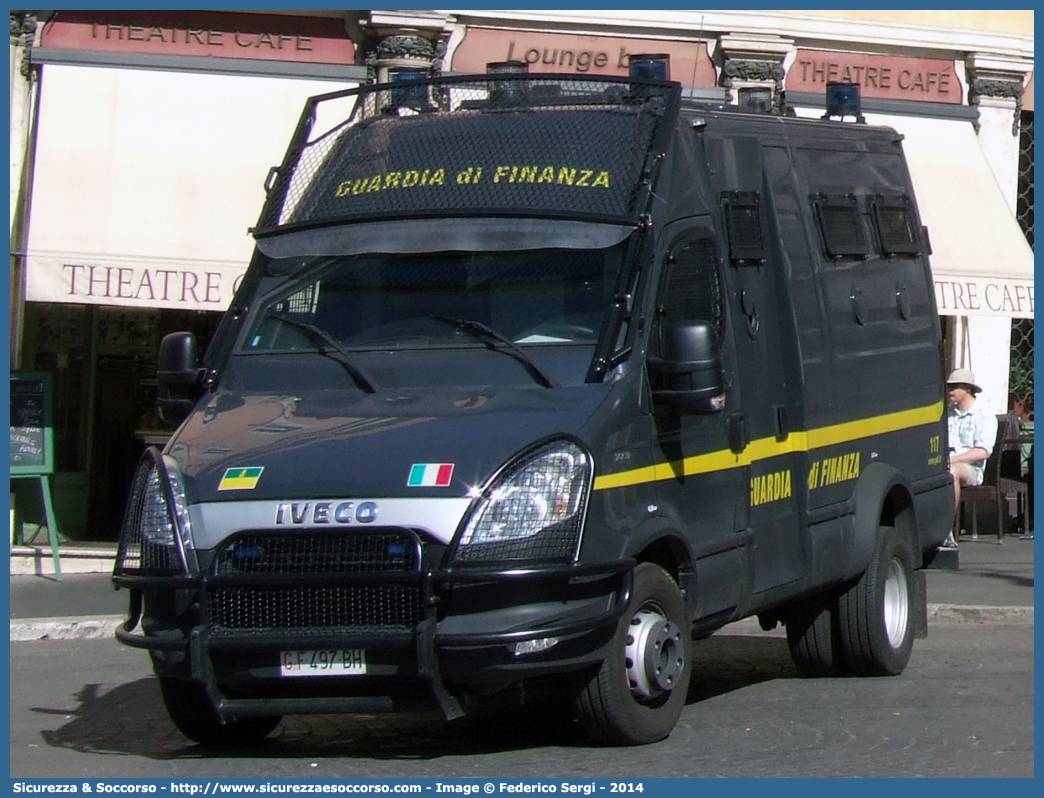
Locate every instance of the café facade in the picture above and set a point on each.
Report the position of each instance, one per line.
(141, 141)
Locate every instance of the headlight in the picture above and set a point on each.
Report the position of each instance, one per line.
(157, 525)
(156, 529)
(533, 510)
(157, 515)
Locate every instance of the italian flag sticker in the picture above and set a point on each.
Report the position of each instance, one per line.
(430, 475)
(241, 478)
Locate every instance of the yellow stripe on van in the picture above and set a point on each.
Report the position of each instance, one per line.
(766, 448)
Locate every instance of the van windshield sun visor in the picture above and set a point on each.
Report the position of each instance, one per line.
(434, 235)
(553, 147)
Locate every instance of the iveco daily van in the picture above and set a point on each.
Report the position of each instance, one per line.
(540, 379)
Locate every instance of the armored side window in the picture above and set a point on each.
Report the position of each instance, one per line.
(840, 225)
(743, 225)
(692, 290)
(895, 225)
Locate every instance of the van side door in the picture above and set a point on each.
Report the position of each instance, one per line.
(765, 407)
(703, 489)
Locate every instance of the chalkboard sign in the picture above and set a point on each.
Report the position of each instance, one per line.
(32, 428)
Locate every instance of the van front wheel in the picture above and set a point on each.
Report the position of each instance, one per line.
(638, 692)
(190, 710)
(875, 619)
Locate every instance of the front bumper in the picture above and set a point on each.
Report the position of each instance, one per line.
(449, 631)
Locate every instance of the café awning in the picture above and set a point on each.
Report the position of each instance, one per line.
(981, 261)
(146, 181)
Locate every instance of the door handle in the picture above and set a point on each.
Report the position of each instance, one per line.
(738, 435)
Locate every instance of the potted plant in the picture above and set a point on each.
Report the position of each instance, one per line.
(1020, 384)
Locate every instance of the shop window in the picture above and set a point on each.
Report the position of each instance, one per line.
(1024, 203)
(58, 340)
(1020, 369)
(1020, 365)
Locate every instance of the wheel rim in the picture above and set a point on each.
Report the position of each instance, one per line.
(654, 655)
(896, 603)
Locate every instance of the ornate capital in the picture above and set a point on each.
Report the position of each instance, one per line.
(737, 69)
(405, 45)
(409, 46)
(23, 27)
(23, 34)
(1003, 89)
(985, 87)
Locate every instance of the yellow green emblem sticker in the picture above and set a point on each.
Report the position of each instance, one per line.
(241, 478)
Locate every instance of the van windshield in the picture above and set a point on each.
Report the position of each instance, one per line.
(363, 309)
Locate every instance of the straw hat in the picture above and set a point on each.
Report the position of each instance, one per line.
(963, 377)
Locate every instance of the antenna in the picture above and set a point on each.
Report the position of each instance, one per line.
(696, 60)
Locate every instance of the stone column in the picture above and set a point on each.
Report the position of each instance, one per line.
(396, 40)
(23, 32)
(995, 86)
(752, 65)
(23, 79)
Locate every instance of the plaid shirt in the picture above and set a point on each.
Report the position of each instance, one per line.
(976, 429)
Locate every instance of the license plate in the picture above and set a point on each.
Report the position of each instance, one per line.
(323, 662)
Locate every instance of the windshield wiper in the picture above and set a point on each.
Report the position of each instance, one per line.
(365, 381)
(499, 343)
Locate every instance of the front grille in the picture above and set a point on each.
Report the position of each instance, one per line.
(390, 605)
(310, 553)
(309, 610)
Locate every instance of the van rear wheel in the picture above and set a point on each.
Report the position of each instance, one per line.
(638, 692)
(875, 619)
(191, 711)
(811, 637)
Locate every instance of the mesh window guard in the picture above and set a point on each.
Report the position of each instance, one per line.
(895, 226)
(553, 147)
(840, 225)
(742, 210)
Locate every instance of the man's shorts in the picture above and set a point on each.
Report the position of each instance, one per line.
(976, 477)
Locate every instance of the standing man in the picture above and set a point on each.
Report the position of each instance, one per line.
(973, 433)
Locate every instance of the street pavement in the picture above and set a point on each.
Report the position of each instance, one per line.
(962, 709)
(83, 707)
(994, 584)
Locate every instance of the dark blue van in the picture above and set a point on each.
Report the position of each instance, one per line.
(538, 380)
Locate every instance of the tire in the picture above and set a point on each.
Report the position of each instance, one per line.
(812, 639)
(875, 616)
(191, 711)
(638, 692)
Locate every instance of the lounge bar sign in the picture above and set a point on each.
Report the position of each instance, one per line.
(268, 37)
(579, 54)
(880, 76)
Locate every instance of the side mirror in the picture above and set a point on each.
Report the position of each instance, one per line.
(688, 377)
(179, 377)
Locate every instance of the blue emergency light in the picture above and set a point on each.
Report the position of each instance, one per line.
(508, 91)
(842, 99)
(405, 93)
(507, 68)
(649, 67)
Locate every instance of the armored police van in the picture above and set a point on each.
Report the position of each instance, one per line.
(538, 380)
